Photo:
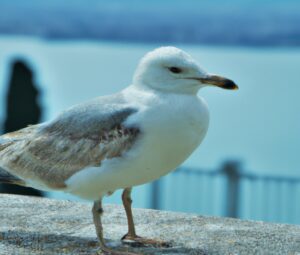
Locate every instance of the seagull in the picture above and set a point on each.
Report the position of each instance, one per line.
(118, 141)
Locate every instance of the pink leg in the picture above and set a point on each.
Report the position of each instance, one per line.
(131, 237)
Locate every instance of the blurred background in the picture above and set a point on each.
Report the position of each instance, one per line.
(54, 54)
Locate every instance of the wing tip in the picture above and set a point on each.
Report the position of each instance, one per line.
(8, 178)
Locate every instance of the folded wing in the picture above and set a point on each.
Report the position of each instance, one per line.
(83, 136)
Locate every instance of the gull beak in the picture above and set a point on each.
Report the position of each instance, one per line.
(219, 81)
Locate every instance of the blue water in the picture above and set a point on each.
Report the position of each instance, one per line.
(259, 124)
(234, 22)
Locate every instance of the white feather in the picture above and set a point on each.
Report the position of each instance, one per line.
(173, 122)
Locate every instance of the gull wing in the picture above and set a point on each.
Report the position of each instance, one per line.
(83, 136)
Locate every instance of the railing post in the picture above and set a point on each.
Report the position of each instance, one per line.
(155, 194)
(232, 172)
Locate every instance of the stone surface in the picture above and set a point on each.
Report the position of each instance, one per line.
(32, 226)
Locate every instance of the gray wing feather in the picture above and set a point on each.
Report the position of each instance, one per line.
(89, 118)
(80, 137)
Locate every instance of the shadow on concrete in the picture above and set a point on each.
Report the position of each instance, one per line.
(34, 242)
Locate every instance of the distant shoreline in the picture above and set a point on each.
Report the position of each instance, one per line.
(154, 43)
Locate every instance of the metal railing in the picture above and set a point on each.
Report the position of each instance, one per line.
(241, 194)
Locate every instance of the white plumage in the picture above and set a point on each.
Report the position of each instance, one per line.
(118, 141)
(171, 125)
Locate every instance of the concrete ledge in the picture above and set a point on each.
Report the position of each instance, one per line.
(42, 226)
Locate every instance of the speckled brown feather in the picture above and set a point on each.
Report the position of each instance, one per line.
(33, 158)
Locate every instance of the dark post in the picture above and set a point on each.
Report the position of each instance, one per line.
(155, 194)
(22, 109)
(231, 170)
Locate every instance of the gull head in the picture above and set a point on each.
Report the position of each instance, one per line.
(170, 69)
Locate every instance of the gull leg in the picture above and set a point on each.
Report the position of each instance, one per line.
(131, 237)
(127, 202)
(97, 213)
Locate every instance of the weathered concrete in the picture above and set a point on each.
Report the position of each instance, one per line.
(42, 226)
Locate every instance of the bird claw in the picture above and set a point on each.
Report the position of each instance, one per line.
(137, 241)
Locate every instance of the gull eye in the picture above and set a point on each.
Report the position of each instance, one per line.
(174, 69)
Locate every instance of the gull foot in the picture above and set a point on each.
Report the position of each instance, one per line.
(137, 241)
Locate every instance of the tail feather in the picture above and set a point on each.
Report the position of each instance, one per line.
(6, 177)
(4, 144)
(6, 141)
(10, 139)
